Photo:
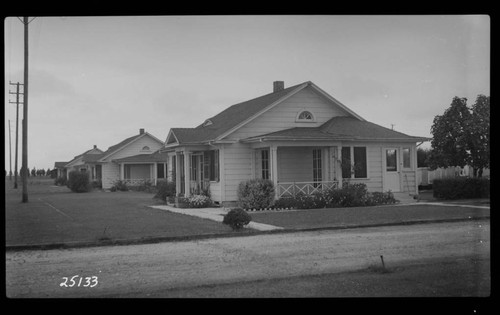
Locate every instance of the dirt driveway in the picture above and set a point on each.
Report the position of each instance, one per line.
(136, 270)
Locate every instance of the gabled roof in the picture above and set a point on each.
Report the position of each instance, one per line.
(114, 148)
(235, 116)
(144, 158)
(60, 164)
(229, 118)
(338, 128)
(89, 155)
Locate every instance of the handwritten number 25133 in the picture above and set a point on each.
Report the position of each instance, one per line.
(77, 280)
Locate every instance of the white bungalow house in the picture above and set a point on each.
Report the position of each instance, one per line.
(133, 160)
(299, 137)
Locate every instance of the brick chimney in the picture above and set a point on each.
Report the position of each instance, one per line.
(278, 86)
(141, 131)
(95, 147)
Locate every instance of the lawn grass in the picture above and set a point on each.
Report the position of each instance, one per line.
(341, 217)
(57, 215)
(54, 214)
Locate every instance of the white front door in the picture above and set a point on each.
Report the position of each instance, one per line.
(391, 169)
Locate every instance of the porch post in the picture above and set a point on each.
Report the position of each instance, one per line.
(187, 173)
(415, 168)
(273, 152)
(155, 173)
(177, 173)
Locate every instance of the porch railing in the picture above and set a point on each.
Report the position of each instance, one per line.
(307, 188)
(138, 182)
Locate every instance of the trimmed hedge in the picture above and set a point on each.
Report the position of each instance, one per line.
(461, 188)
(256, 193)
(350, 195)
(79, 182)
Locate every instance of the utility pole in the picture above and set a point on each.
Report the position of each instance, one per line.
(10, 155)
(17, 128)
(25, 114)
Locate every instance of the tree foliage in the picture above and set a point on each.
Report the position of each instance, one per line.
(461, 135)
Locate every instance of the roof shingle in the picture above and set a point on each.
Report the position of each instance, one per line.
(229, 118)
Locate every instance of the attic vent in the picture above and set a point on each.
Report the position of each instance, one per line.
(207, 122)
(305, 116)
(145, 148)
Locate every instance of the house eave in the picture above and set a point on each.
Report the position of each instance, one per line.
(270, 139)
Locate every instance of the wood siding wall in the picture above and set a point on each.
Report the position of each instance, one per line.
(110, 173)
(284, 114)
(237, 168)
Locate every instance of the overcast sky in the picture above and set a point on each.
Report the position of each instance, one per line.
(98, 80)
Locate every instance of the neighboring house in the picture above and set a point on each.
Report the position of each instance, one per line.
(299, 137)
(86, 162)
(133, 160)
(59, 169)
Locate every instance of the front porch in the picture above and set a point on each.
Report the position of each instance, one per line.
(300, 169)
(288, 189)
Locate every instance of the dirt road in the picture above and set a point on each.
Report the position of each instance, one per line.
(123, 270)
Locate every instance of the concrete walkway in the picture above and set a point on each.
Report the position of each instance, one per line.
(215, 214)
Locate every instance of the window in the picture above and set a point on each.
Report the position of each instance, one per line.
(391, 160)
(406, 158)
(360, 170)
(354, 163)
(160, 170)
(265, 163)
(305, 116)
(211, 165)
(346, 162)
(317, 171)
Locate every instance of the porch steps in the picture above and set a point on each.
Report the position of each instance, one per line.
(404, 198)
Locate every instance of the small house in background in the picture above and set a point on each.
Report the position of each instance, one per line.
(133, 160)
(59, 170)
(86, 162)
(300, 137)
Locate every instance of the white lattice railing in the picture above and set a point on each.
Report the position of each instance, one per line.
(138, 182)
(307, 188)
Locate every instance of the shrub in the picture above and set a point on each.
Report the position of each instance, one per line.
(256, 193)
(164, 189)
(237, 218)
(120, 185)
(354, 195)
(61, 181)
(199, 201)
(145, 185)
(97, 184)
(380, 198)
(79, 182)
(314, 201)
(285, 202)
(460, 187)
